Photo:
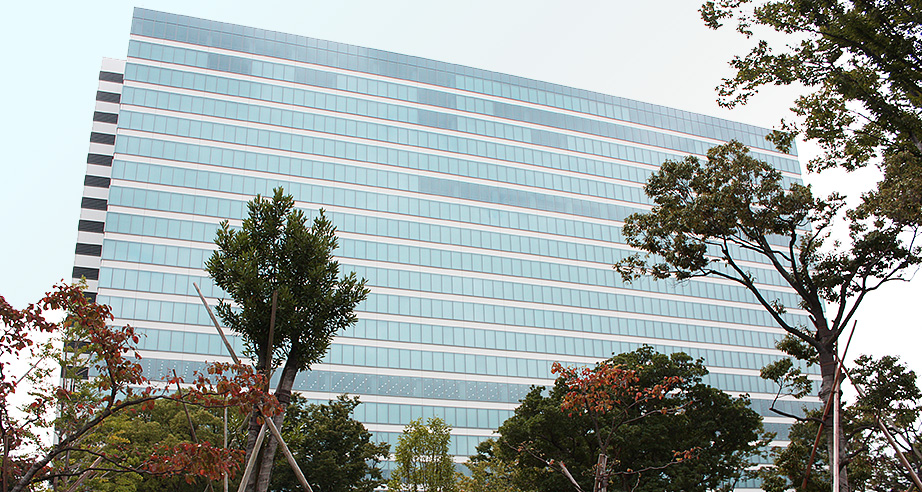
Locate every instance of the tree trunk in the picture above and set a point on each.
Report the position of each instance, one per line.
(601, 474)
(828, 368)
(253, 428)
(283, 394)
(252, 433)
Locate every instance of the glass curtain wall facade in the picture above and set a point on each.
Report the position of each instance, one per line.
(484, 209)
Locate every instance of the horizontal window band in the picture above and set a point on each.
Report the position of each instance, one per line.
(91, 226)
(111, 77)
(99, 159)
(105, 117)
(96, 181)
(88, 273)
(93, 203)
(642, 118)
(110, 97)
(103, 138)
(654, 140)
(89, 249)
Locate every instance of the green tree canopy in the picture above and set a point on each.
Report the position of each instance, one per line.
(722, 433)
(335, 450)
(276, 252)
(144, 433)
(710, 216)
(422, 459)
(889, 392)
(488, 473)
(859, 61)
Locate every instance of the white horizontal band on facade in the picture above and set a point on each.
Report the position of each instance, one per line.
(108, 86)
(107, 107)
(86, 261)
(101, 148)
(91, 285)
(102, 127)
(89, 237)
(99, 170)
(92, 214)
(437, 88)
(96, 192)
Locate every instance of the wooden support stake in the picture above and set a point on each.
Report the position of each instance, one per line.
(208, 487)
(288, 456)
(217, 325)
(826, 408)
(226, 485)
(893, 444)
(268, 421)
(252, 461)
(85, 475)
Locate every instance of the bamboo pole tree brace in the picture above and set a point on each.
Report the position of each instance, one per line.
(886, 432)
(267, 422)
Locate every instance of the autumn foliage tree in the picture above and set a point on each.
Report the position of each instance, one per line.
(611, 397)
(103, 380)
(639, 421)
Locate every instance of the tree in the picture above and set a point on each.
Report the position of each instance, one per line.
(706, 216)
(109, 384)
(607, 424)
(890, 392)
(488, 473)
(861, 68)
(336, 448)
(274, 255)
(422, 459)
(164, 425)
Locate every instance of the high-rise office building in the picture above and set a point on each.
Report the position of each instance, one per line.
(484, 209)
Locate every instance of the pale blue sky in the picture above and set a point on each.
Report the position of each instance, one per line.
(656, 51)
